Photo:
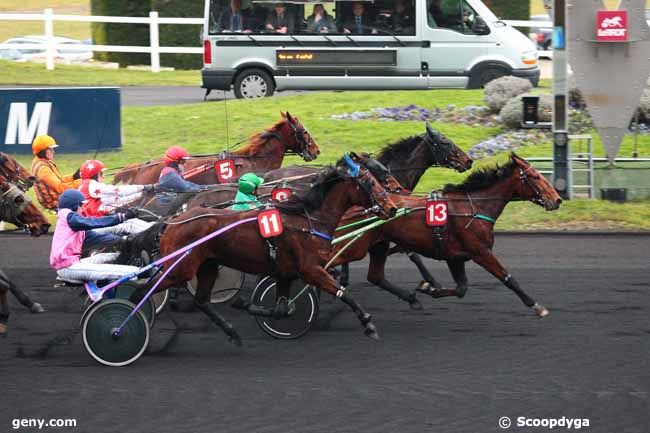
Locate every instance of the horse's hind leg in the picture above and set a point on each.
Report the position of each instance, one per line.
(4, 310)
(491, 264)
(376, 275)
(457, 269)
(34, 307)
(429, 283)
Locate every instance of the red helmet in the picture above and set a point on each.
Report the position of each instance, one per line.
(90, 168)
(175, 154)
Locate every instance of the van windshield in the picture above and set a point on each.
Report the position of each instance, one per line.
(378, 18)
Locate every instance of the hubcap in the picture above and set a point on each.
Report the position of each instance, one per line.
(253, 86)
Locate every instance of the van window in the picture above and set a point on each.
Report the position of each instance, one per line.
(451, 14)
(381, 18)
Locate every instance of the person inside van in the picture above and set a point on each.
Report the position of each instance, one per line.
(320, 21)
(359, 23)
(403, 21)
(279, 20)
(447, 14)
(234, 19)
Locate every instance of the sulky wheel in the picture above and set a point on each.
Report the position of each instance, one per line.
(298, 323)
(124, 291)
(160, 300)
(227, 284)
(98, 333)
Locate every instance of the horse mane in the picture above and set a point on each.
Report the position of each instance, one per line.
(483, 178)
(257, 141)
(399, 150)
(312, 199)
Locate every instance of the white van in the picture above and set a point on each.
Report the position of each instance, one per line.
(259, 46)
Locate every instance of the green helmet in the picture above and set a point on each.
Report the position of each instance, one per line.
(249, 182)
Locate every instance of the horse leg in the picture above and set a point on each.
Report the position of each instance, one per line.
(344, 278)
(320, 278)
(34, 307)
(429, 283)
(4, 310)
(457, 269)
(279, 310)
(376, 275)
(491, 264)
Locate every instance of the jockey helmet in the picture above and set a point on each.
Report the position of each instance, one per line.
(175, 154)
(41, 143)
(249, 182)
(71, 199)
(90, 168)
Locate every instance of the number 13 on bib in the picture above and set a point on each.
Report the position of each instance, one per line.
(436, 213)
(270, 223)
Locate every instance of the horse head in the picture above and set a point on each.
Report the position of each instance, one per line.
(533, 186)
(359, 167)
(297, 138)
(445, 152)
(379, 170)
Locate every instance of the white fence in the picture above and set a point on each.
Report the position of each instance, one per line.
(154, 49)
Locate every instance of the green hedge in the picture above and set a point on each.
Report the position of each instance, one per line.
(510, 9)
(121, 34)
(180, 35)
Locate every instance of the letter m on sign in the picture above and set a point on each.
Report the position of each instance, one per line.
(20, 128)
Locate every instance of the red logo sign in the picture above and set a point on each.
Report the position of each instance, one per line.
(281, 194)
(270, 223)
(611, 26)
(225, 169)
(436, 214)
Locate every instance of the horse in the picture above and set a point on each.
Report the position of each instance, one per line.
(308, 221)
(264, 151)
(18, 209)
(473, 208)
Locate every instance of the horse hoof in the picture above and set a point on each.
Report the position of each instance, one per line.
(424, 287)
(236, 340)
(36, 308)
(415, 304)
(541, 310)
(371, 331)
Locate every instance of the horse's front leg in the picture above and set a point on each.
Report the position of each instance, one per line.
(376, 275)
(429, 284)
(491, 264)
(457, 269)
(34, 307)
(319, 277)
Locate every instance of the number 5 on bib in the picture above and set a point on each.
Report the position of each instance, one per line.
(436, 213)
(270, 223)
(225, 169)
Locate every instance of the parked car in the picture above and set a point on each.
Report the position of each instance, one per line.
(78, 51)
(10, 54)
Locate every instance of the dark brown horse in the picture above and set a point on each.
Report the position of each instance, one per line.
(264, 151)
(18, 209)
(308, 219)
(473, 207)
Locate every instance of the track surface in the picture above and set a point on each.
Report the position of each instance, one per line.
(456, 366)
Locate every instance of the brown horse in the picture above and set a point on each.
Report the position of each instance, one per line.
(264, 151)
(301, 250)
(17, 208)
(473, 207)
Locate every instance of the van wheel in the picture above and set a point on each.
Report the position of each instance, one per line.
(253, 83)
(481, 76)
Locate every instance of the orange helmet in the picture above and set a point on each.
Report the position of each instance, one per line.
(175, 154)
(90, 168)
(41, 143)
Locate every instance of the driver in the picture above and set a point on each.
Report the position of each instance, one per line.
(51, 183)
(246, 198)
(171, 177)
(73, 231)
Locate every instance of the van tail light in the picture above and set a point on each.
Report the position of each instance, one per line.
(207, 52)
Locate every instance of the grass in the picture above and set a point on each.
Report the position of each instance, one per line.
(66, 75)
(148, 131)
(9, 29)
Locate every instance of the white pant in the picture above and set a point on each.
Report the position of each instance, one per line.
(128, 227)
(95, 268)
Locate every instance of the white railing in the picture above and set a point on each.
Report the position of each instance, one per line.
(154, 49)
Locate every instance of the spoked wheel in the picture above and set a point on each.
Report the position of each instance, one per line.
(297, 324)
(124, 291)
(227, 284)
(160, 300)
(99, 337)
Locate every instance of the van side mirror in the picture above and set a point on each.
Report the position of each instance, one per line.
(480, 27)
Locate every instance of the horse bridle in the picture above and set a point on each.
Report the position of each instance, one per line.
(10, 207)
(437, 149)
(524, 176)
(363, 180)
(299, 139)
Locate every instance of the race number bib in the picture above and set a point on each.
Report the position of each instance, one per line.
(436, 213)
(225, 169)
(281, 194)
(270, 223)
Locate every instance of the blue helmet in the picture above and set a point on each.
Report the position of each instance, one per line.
(71, 199)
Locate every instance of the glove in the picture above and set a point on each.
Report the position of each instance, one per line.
(129, 214)
(149, 188)
(77, 174)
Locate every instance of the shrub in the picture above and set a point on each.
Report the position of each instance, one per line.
(180, 35)
(512, 113)
(644, 107)
(498, 92)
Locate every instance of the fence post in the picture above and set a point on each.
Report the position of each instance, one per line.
(154, 41)
(49, 39)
